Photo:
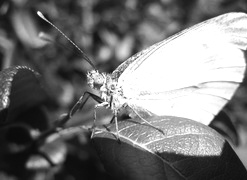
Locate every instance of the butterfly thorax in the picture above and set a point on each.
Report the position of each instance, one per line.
(108, 87)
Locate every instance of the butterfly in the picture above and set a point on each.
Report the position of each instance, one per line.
(192, 74)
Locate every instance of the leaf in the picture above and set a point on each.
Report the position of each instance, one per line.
(22, 116)
(22, 122)
(186, 150)
(21, 97)
(223, 124)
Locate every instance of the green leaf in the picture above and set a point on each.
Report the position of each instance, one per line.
(186, 150)
(22, 97)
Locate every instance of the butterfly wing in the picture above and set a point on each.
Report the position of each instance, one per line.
(193, 74)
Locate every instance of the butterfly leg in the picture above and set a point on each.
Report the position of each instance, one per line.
(102, 104)
(148, 123)
(78, 106)
(82, 101)
(116, 124)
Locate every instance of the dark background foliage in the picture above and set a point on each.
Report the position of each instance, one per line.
(108, 31)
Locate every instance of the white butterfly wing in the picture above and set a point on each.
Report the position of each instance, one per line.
(192, 74)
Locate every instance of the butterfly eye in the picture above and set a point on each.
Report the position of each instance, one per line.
(112, 87)
(95, 79)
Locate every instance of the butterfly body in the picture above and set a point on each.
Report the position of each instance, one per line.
(192, 74)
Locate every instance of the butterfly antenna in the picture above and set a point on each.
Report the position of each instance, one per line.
(83, 54)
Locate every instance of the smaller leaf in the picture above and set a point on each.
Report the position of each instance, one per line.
(21, 97)
(24, 124)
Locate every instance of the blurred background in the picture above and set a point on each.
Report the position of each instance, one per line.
(109, 32)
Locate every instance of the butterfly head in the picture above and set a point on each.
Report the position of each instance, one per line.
(95, 79)
(101, 81)
(107, 86)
